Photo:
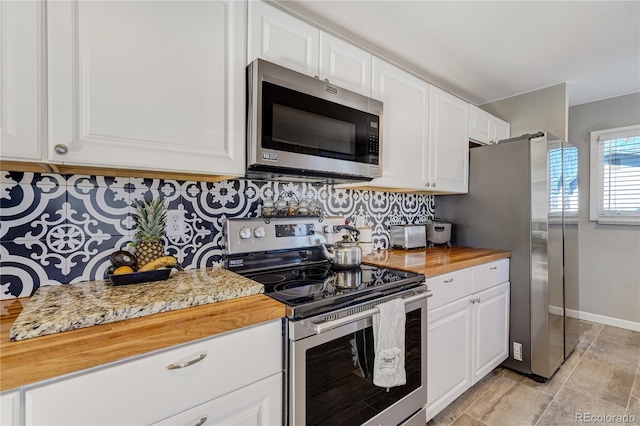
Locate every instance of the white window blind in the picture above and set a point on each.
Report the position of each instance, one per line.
(615, 175)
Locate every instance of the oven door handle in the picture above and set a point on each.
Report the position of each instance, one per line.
(330, 325)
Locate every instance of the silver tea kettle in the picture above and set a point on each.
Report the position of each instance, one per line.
(346, 254)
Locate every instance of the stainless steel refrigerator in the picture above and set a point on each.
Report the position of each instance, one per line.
(523, 197)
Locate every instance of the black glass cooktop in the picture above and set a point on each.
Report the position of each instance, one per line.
(304, 285)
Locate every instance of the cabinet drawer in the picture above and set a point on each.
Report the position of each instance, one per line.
(490, 274)
(145, 390)
(449, 287)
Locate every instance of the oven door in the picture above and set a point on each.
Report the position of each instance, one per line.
(331, 372)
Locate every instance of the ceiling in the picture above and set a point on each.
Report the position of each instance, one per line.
(489, 50)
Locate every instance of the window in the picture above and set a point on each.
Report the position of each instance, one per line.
(615, 176)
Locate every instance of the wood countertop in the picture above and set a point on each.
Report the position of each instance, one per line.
(434, 261)
(32, 360)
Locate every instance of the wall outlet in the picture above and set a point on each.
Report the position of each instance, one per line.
(517, 351)
(175, 223)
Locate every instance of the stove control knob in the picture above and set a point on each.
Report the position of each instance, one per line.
(327, 229)
(245, 232)
(259, 232)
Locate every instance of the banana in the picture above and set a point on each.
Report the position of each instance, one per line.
(164, 261)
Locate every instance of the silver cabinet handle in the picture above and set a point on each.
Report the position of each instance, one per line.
(201, 422)
(450, 280)
(427, 184)
(61, 149)
(493, 268)
(472, 301)
(478, 300)
(187, 363)
(433, 184)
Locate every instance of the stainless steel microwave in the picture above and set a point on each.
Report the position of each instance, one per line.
(304, 128)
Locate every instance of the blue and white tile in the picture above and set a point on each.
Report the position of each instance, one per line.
(29, 203)
(38, 263)
(92, 260)
(103, 199)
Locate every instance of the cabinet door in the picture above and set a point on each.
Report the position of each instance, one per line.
(10, 408)
(404, 126)
(282, 39)
(480, 125)
(490, 330)
(448, 142)
(448, 359)
(258, 404)
(147, 85)
(159, 385)
(500, 130)
(21, 80)
(345, 65)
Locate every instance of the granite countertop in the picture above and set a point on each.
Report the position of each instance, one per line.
(53, 309)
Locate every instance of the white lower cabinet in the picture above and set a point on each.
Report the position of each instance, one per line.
(10, 408)
(468, 330)
(254, 405)
(171, 382)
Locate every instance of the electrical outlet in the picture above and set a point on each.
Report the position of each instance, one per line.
(175, 223)
(517, 351)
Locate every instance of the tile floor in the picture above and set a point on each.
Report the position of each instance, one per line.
(600, 379)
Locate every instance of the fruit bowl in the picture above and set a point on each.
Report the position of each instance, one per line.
(140, 277)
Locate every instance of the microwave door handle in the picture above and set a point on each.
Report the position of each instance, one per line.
(330, 325)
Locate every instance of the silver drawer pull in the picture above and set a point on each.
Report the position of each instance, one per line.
(201, 422)
(450, 280)
(186, 364)
(493, 268)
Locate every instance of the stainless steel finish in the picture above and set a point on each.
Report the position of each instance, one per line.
(417, 419)
(186, 363)
(438, 232)
(344, 255)
(201, 422)
(235, 244)
(398, 411)
(324, 326)
(259, 71)
(508, 208)
(408, 236)
(61, 149)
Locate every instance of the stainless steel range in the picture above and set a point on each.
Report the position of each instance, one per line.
(329, 326)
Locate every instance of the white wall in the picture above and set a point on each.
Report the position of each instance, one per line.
(540, 110)
(609, 254)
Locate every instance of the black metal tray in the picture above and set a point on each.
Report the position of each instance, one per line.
(140, 277)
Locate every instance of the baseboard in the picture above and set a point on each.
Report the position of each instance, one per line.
(602, 319)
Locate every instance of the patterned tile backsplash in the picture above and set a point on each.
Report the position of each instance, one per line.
(57, 229)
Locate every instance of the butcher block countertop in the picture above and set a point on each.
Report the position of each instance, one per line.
(435, 261)
(100, 342)
(35, 359)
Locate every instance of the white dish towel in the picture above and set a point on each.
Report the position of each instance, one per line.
(388, 336)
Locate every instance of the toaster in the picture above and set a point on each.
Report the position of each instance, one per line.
(408, 236)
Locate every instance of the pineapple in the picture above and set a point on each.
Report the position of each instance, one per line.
(151, 227)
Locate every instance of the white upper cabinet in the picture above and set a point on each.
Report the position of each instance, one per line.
(345, 65)
(500, 129)
(289, 42)
(147, 85)
(282, 39)
(21, 80)
(485, 128)
(405, 134)
(448, 157)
